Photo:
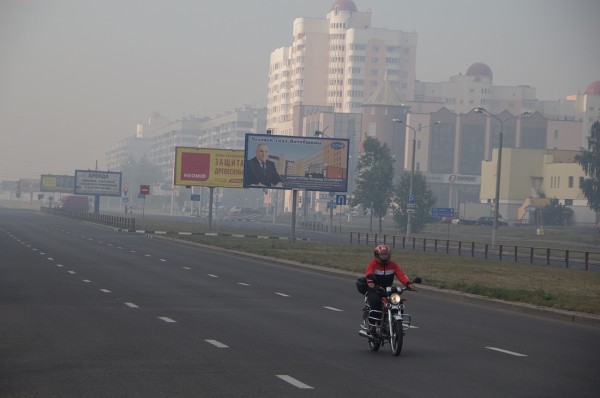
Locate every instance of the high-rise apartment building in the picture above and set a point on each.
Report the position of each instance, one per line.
(337, 61)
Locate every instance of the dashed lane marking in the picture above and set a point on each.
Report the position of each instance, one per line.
(217, 344)
(516, 354)
(295, 382)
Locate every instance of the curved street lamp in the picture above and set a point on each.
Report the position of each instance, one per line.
(479, 109)
(412, 168)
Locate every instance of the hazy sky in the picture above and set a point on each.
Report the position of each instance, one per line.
(76, 76)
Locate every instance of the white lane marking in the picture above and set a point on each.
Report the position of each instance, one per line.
(163, 260)
(105, 290)
(186, 267)
(333, 309)
(217, 344)
(131, 305)
(213, 276)
(34, 250)
(119, 247)
(87, 281)
(109, 244)
(243, 284)
(71, 272)
(132, 251)
(282, 294)
(148, 255)
(166, 319)
(506, 351)
(294, 382)
(50, 258)
(59, 265)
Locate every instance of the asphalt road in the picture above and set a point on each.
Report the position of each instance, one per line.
(89, 312)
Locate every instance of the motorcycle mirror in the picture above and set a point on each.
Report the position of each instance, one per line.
(417, 280)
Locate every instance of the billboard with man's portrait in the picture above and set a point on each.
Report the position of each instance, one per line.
(294, 162)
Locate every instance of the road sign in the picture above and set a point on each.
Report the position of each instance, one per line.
(410, 205)
(411, 199)
(410, 211)
(340, 199)
(442, 212)
(144, 189)
(195, 197)
(331, 205)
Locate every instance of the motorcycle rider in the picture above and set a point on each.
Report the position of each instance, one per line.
(380, 274)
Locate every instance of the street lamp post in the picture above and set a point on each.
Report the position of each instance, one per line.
(412, 169)
(498, 166)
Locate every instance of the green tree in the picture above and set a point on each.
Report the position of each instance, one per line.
(424, 201)
(374, 186)
(554, 213)
(590, 163)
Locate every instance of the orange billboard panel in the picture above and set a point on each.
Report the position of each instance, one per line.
(207, 167)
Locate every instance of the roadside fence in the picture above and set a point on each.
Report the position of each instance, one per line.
(107, 219)
(574, 259)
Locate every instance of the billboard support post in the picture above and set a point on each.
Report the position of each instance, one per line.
(210, 206)
(293, 226)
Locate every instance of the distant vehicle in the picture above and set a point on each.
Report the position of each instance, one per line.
(456, 221)
(490, 221)
(471, 212)
(73, 203)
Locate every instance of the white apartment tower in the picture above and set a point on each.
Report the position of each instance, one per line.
(338, 61)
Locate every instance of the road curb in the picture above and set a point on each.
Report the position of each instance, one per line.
(150, 233)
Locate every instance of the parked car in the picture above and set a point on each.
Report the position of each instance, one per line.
(490, 221)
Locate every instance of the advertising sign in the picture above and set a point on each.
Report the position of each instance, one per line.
(57, 183)
(293, 162)
(207, 167)
(94, 182)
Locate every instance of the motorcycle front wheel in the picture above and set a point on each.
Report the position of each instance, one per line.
(397, 338)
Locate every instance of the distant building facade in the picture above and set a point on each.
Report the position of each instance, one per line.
(338, 61)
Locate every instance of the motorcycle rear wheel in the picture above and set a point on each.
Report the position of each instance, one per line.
(397, 338)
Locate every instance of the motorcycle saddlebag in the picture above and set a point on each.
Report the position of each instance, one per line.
(361, 285)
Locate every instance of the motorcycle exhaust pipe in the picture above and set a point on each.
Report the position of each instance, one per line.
(364, 333)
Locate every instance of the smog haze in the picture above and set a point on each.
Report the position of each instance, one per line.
(77, 76)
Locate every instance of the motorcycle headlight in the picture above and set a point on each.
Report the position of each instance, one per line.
(395, 298)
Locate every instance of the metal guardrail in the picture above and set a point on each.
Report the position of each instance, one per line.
(574, 259)
(107, 219)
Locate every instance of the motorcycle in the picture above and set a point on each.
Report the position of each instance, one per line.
(391, 323)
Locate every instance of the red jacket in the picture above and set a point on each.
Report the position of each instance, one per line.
(384, 273)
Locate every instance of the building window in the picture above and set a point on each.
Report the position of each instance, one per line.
(570, 181)
(555, 134)
(372, 129)
(568, 202)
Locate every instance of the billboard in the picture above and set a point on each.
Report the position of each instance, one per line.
(207, 167)
(94, 182)
(293, 162)
(57, 183)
